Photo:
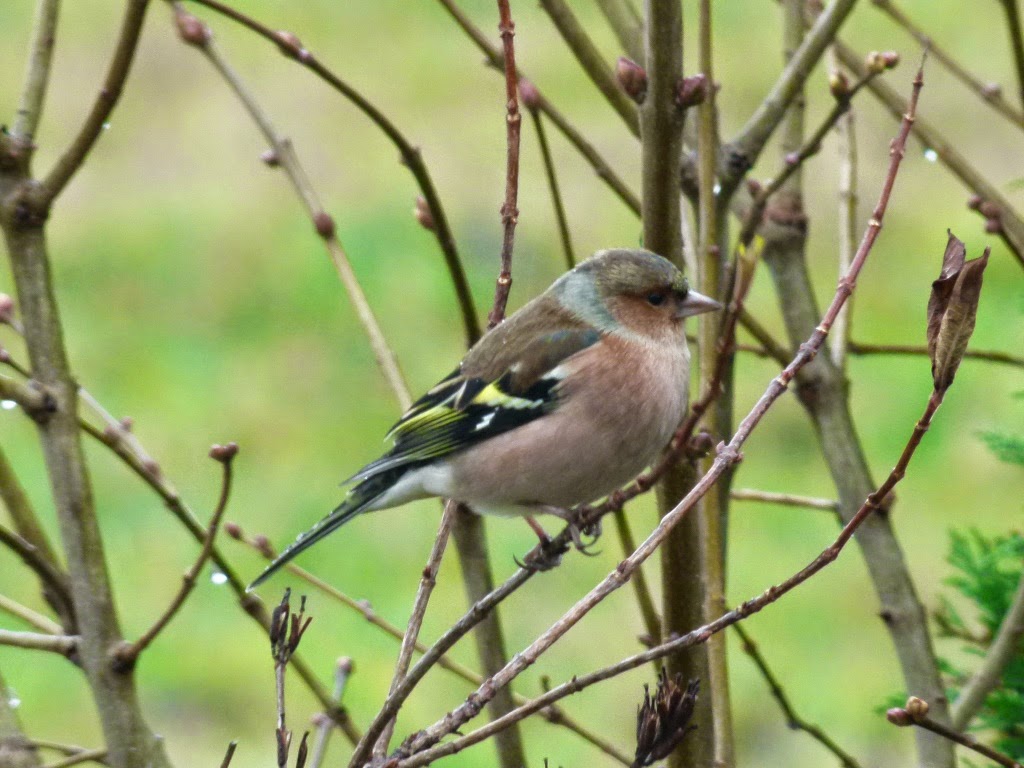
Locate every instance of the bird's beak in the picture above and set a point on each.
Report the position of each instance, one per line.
(696, 304)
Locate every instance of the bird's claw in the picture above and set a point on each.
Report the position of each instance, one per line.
(544, 557)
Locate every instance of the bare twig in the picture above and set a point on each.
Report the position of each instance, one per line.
(55, 581)
(113, 83)
(342, 671)
(129, 653)
(593, 63)
(30, 105)
(553, 715)
(412, 157)
(987, 92)
(991, 356)
(195, 33)
(785, 499)
(98, 755)
(649, 614)
(916, 713)
(23, 514)
(552, 177)
(627, 25)
(585, 148)
(1013, 27)
(847, 222)
(793, 720)
(727, 456)
(748, 144)
(30, 617)
(65, 645)
(509, 209)
(34, 400)
(1000, 653)
(229, 754)
(428, 579)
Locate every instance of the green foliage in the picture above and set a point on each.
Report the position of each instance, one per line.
(1009, 448)
(987, 572)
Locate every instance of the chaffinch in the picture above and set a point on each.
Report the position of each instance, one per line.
(568, 399)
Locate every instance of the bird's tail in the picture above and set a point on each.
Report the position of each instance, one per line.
(357, 500)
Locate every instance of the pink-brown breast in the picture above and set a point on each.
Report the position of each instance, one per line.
(621, 401)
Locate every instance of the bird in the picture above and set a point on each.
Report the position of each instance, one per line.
(566, 400)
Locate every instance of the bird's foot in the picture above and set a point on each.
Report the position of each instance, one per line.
(545, 556)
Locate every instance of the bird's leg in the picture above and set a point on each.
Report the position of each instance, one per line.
(547, 556)
(576, 531)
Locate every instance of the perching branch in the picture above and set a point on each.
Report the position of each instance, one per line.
(55, 581)
(916, 713)
(37, 75)
(30, 617)
(65, 645)
(1013, 27)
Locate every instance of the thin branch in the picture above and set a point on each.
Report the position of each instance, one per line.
(785, 499)
(847, 222)
(987, 92)
(342, 672)
(793, 720)
(428, 579)
(1010, 224)
(772, 347)
(23, 514)
(32, 398)
(553, 715)
(229, 754)
(413, 757)
(649, 614)
(54, 580)
(30, 617)
(195, 33)
(513, 125)
(727, 456)
(37, 74)
(128, 654)
(1004, 648)
(552, 177)
(412, 157)
(592, 61)
(1013, 26)
(751, 140)
(916, 713)
(991, 356)
(117, 74)
(585, 148)
(627, 25)
(65, 645)
(85, 756)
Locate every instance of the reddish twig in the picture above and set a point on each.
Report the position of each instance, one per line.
(509, 209)
(727, 456)
(127, 655)
(916, 713)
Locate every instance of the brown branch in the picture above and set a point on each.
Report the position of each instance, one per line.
(847, 222)
(752, 138)
(412, 157)
(32, 398)
(65, 645)
(998, 655)
(509, 209)
(786, 499)
(991, 356)
(549, 171)
(37, 75)
(55, 581)
(649, 614)
(128, 654)
(987, 92)
(117, 74)
(428, 579)
(1013, 27)
(98, 755)
(772, 348)
(727, 456)
(627, 25)
(30, 617)
(229, 754)
(195, 33)
(793, 720)
(875, 502)
(592, 61)
(1010, 224)
(342, 672)
(916, 713)
(553, 715)
(23, 514)
(585, 148)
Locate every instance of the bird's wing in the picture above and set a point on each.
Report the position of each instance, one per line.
(477, 402)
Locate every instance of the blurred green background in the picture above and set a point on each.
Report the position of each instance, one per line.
(197, 300)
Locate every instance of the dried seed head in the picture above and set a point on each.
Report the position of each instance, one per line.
(662, 720)
(632, 78)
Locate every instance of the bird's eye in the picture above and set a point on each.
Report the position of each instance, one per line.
(656, 299)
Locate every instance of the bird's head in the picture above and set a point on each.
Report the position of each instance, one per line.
(632, 290)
